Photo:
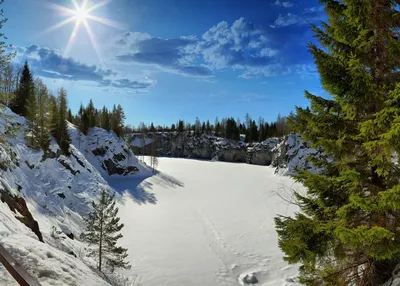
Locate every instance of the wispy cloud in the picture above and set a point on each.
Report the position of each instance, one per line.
(238, 46)
(285, 4)
(50, 63)
(314, 9)
(168, 54)
(287, 20)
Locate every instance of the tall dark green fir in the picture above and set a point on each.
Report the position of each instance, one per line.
(348, 230)
(25, 91)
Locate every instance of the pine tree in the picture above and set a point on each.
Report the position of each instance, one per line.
(25, 91)
(70, 117)
(103, 229)
(63, 138)
(54, 116)
(117, 120)
(208, 127)
(181, 126)
(42, 103)
(348, 231)
(105, 119)
(91, 114)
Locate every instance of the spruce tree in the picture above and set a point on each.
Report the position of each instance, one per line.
(91, 114)
(103, 229)
(63, 138)
(70, 117)
(181, 126)
(347, 232)
(105, 119)
(42, 120)
(24, 92)
(53, 120)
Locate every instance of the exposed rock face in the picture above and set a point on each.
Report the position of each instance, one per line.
(18, 206)
(286, 153)
(113, 168)
(188, 145)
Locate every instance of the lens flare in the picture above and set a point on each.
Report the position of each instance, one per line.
(81, 15)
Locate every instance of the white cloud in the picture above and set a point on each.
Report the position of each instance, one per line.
(287, 20)
(285, 4)
(314, 9)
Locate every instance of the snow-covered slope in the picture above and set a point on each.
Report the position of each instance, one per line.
(58, 191)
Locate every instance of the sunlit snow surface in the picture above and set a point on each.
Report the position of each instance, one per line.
(206, 223)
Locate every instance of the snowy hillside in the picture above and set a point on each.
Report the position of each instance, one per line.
(58, 191)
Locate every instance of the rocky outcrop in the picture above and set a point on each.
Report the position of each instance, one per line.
(286, 153)
(189, 145)
(18, 205)
(113, 168)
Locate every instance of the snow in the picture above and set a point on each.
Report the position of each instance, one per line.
(193, 223)
(208, 223)
(60, 260)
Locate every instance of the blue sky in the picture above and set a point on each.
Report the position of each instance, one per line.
(165, 60)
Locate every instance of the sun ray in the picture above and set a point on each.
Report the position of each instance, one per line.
(107, 22)
(61, 8)
(94, 7)
(58, 25)
(84, 4)
(76, 5)
(72, 38)
(93, 40)
(81, 15)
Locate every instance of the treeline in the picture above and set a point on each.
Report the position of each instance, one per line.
(228, 128)
(89, 116)
(47, 113)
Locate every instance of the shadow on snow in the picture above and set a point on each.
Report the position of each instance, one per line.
(138, 186)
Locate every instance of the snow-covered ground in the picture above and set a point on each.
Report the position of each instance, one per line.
(205, 223)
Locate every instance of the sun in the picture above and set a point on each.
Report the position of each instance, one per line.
(81, 16)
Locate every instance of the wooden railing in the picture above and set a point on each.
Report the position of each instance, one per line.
(16, 270)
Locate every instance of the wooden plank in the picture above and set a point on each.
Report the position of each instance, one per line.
(16, 270)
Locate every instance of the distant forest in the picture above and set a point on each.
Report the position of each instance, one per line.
(228, 128)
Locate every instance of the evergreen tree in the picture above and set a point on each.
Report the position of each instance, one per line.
(103, 229)
(63, 138)
(42, 103)
(105, 119)
(173, 128)
(218, 129)
(208, 127)
(117, 120)
(348, 231)
(25, 91)
(152, 129)
(54, 116)
(70, 117)
(91, 114)
(181, 126)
